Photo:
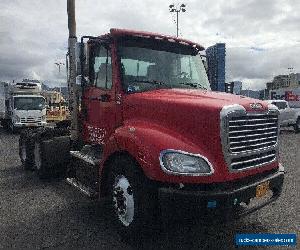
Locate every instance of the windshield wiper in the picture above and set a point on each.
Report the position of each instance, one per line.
(192, 84)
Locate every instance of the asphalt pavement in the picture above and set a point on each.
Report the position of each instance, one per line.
(37, 214)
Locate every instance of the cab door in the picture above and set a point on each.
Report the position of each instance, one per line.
(99, 98)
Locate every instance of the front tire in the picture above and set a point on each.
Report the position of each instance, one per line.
(133, 200)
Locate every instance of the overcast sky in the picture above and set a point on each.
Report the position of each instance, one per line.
(262, 36)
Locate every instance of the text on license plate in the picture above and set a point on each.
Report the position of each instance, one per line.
(262, 189)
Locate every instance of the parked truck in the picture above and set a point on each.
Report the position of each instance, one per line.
(57, 107)
(288, 102)
(3, 94)
(288, 117)
(154, 137)
(24, 106)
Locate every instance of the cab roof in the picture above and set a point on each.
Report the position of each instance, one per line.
(116, 33)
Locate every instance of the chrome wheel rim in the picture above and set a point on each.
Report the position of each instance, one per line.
(37, 156)
(123, 200)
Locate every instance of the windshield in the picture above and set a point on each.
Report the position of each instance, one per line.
(145, 69)
(29, 103)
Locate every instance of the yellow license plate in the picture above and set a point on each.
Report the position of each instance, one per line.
(262, 189)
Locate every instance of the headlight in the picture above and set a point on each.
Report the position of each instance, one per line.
(182, 163)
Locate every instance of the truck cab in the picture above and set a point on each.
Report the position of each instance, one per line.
(153, 135)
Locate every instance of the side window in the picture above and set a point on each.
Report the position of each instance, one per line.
(102, 70)
(280, 105)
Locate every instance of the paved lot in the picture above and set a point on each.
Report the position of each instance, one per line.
(35, 214)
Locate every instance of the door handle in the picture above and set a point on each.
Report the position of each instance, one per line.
(104, 98)
(101, 98)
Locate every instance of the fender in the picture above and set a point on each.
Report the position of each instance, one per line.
(144, 141)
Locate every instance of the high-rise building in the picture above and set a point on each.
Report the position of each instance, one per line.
(216, 66)
(237, 87)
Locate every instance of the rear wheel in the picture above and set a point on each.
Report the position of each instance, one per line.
(12, 128)
(43, 151)
(26, 149)
(133, 199)
(297, 125)
(39, 163)
(5, 124)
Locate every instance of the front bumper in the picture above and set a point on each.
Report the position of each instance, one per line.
(29, 125)
(224, 202)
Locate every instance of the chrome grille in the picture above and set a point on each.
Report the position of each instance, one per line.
(253, 160)
(252, 132)
(30, 119)
(249, 139)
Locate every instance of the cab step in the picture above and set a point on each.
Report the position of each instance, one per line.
(82, 188)
(89, 154)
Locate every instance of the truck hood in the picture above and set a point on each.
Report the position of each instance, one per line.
(170, 101)
(192, 116)
(198, 97)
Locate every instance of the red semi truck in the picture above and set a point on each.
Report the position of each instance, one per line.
(153, 135)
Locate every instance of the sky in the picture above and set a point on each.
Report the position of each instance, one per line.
(262, 36)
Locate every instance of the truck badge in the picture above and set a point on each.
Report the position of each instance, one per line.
(256, 105)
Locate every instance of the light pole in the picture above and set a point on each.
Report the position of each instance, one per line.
(59, 64)
(172, 9)
(72, 69)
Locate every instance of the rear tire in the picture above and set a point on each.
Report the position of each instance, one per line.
(26, 149)
(12, 128)
(5, 125)
(297, 125)
(133, 200)
(41, 167)
(43, 163)
(40, 163)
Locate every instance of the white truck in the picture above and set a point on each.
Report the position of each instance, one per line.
(288, 102)
(22, 105)
(288, 117)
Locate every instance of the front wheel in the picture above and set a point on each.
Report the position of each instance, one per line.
(297, 125)
(132, 197)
